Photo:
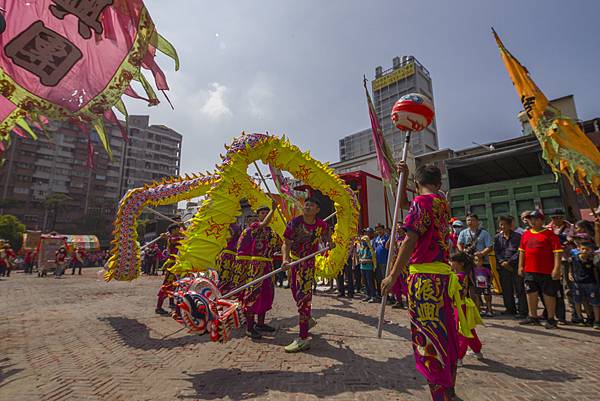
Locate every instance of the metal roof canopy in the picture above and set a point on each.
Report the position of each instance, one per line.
(495, 166)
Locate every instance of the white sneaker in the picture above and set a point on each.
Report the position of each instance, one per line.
(478, 355)
(298, 345)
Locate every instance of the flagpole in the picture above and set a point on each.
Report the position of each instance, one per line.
(401, 180)
(269, 192)
(159, 214)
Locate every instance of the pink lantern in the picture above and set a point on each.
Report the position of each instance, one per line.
(413, 112)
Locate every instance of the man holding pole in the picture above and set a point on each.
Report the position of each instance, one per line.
(431, 284)
(258, 299)
(301, 238)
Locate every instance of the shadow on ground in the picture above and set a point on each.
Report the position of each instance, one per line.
(6, 371)
(137, 335)
(353, 373)
(523, 373)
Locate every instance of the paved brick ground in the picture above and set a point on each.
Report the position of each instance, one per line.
(83, 339)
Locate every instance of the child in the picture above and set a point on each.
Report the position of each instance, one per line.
(583, 272)
(60, 259)
(482, 281)
(365, 253)
(539, 265)
(462, 265)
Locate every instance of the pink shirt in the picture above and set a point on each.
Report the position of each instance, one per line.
(304, 237)
(245, 242)
(428, 218)
(257, 241)
(235, 231)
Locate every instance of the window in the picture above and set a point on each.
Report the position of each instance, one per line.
(524, 205)
(547, 187)
(26, 153)
(548, 204)
(522, 190)
(500, 208)
(19, 190)
(501, 192)
(480, 195)
(458, 211)
(479, 210)
(23, 178)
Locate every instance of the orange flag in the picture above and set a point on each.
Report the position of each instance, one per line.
(565, 146)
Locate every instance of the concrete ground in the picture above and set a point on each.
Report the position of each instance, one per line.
(82, 339)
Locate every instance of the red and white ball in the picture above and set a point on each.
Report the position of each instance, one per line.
(413, 112)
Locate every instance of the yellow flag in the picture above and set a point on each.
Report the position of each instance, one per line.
(565, 146)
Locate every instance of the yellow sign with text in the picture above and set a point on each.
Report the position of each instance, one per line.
(392, 77)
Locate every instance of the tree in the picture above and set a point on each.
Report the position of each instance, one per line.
(56, 203)
(8, 203)
(100, 226)
(11, 230)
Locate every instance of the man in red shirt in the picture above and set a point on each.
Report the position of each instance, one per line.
(77, 260)
(539, 264)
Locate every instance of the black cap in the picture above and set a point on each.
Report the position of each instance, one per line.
(314, 200)
(263, 207)
(557, 212)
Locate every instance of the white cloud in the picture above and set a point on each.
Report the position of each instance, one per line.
(215, 106)
(260, 98)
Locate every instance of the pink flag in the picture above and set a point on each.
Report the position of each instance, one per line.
(385, 159)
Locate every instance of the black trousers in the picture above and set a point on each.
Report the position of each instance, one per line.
(346, 275)
(357, 278)
(512, 285)
(75, 265)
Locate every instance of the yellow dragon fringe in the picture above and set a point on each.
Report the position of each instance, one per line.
(208, 232)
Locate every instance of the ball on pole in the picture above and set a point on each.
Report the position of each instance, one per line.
(413, 112)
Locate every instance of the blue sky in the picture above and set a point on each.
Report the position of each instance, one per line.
(296, 67)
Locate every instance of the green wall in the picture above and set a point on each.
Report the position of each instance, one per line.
(488, 201)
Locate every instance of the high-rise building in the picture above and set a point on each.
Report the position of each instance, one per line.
(407, 75)
(153, 152)
(48, 185)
